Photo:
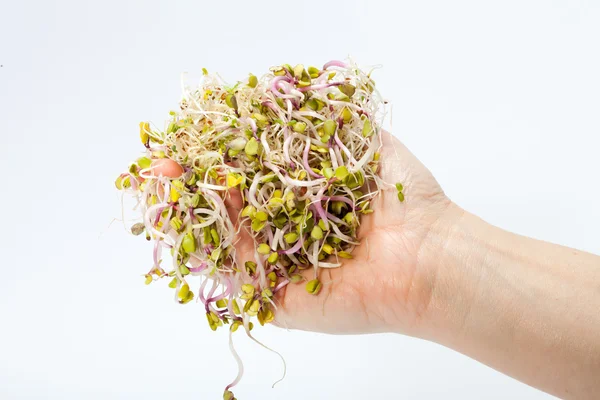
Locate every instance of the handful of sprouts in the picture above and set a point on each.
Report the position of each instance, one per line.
(300, 147)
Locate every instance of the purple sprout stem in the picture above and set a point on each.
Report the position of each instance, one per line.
(335, 63)
(281, 285)
(275, 85)
(321, 211)
(292, 249)
(305, 160)
(319, 87)
(342, 199)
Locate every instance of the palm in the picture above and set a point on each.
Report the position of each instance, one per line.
(385, 270)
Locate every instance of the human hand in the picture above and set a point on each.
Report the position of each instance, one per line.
(385, 287)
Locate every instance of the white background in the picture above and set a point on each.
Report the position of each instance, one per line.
(499, 99)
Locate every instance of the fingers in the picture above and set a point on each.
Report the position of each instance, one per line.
(166, 167)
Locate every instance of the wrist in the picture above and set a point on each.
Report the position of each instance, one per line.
(451, 257)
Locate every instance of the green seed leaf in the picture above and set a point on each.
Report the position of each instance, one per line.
(344, 254)
(313, 72)
(183, 291)
(221, 303)
(367, 129)
(173, 283)
(250, 267)
(189, 243)
(316, 233)
(346, 115)
(251, 147)
(261, 216)
(314, 286)
(228, 394)
(401, 196)
(249, 211)
(341, 173)
(236, 308)
(263, 248)
(399, 187)
(299, 127)
(215, 237)
(273, 257)
(348, 89)
(329, 127)
(144, 162)
(321, 225)
(291, 237)
(258, 225)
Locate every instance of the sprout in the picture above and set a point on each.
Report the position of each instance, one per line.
(299, 146)
(314, 286)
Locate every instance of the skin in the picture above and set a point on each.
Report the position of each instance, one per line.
(429, 269)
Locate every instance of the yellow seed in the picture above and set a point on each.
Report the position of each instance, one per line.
(344, 254)
(174, 194)
(327, 248)
(252, 81)
(119, 182)
(234, 327)
(233, 180)
(144, 132)
(221, 303)
(189, 297)
(183, 291)
(346, 115)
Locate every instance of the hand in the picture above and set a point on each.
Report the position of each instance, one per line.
(385, 287)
